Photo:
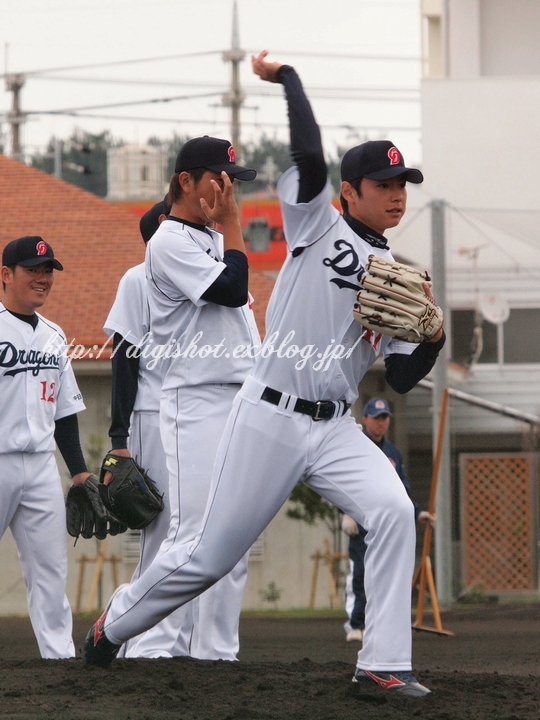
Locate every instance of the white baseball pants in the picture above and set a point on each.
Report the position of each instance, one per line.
(32, 506)
(264, 452)
(192, 422)
(145, 446)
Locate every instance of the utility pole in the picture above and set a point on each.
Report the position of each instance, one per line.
(57, 157)
(234, 98)
(14, 84)
(443, 504)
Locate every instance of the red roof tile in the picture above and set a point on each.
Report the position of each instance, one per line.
(96, 241)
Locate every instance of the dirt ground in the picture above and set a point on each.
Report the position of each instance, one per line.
(289, 669)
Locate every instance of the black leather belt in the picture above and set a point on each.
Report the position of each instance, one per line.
(320, 410)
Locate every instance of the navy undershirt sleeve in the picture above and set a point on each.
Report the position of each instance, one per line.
(403, 372)
(125, 377)
(306, 144)
(66, 435)
(230, 288)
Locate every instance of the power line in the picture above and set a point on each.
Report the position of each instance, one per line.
(75, 111)
(233, 98)
(247, 88)
(113, 63)
(344, 56)
(162, 58)
(499, 210)
(510, 233)
(517, 261)
(201, 121)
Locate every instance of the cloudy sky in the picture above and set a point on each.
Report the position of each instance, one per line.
(359, 61)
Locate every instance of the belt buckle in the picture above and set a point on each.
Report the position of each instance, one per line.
(319, 404)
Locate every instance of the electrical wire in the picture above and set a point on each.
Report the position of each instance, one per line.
(518, 264)
(162, 58)
(74, 111)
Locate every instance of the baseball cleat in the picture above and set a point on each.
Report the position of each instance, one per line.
(355, 634)
(401, 681)
(98, 649)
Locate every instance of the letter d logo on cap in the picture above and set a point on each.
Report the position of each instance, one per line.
(394, 156)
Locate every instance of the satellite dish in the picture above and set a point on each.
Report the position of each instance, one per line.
(494, 307)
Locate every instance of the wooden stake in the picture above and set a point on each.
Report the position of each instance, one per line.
(82, 559)
(316, 558)
(331, 559)
(424, 573)
(99, 559)
(97, 574)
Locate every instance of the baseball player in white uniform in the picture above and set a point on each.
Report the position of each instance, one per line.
(134, 431)
(197, 296)
(39, 399)
(291, 419)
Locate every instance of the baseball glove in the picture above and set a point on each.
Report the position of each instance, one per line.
(86, 514)
(392, 301)
(131, 495)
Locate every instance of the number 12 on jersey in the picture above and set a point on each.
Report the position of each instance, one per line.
(47, 391)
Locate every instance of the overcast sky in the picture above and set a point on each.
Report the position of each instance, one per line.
(47, 34)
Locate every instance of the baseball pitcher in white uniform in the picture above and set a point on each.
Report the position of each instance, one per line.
(196, 294)
(39, 399)
(291, 419)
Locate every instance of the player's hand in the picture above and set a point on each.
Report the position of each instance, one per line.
(427, 518)
(121, 452)
(265, 70)
(80, 478)
(427, 290)
(224, 209)
(349, 526)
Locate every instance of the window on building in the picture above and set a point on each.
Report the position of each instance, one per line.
(144, 173)
(465, 340)
(522, 336)
(504, 343)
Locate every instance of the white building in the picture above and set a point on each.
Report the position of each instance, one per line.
(136, 172)
(480, 120)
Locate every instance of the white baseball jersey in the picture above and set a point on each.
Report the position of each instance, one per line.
(208, 628)
(207, 342)
(37, 387)
(37, 384)
(314, 349)
(130, 317)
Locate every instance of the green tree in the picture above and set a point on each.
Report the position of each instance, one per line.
(311, 508)
(83, 159)
(270, 158)
(269, 154)
(170, 146)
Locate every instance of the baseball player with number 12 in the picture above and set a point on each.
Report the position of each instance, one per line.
(291, 420)
(39, 399)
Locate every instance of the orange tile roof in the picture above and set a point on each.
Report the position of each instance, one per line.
(96, 241)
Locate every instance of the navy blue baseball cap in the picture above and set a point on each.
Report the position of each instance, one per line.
(377, 160)
(149, 222)
(375, 407)
(213, 154)
(29, 251)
